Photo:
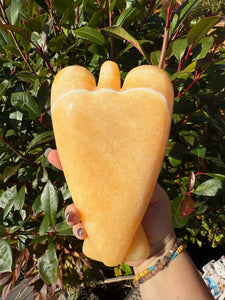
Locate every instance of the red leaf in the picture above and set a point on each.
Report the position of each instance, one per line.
(4, 277)
(5, 291)
(187, 206)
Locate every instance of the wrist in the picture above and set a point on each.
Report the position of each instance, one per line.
(162, 263)
(156, 253)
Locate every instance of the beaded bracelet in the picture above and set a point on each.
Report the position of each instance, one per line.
(160, 265)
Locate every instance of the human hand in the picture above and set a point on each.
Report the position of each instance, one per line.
(157, 221)
(72, 214)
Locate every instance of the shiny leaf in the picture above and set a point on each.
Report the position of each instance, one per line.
(198, 31)
(26, 102)
(49, 202)
(5, 256)
(91, 35)
(211, 188)
(47, 265)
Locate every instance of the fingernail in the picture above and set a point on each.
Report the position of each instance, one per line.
(47, 151)
(79, 231)
(69, 217)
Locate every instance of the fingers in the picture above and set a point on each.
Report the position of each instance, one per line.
(53, 158)
(72, 214)
(73, 218)
(79, 231)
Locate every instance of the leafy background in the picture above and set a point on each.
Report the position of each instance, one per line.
(37, 39)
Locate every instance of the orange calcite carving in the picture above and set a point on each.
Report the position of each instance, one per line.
(111, 143)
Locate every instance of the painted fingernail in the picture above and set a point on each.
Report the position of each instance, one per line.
(69, 217)
(79, 231)
(47, 151)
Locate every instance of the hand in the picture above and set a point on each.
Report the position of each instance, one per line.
(157, 221)
(72, 214)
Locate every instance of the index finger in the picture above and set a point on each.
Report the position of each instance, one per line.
(53, 158)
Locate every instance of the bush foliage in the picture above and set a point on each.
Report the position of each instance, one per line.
(37, 39)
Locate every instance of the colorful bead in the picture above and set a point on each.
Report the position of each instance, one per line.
(160, 265)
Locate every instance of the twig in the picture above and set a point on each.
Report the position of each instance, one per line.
(15, 40)
(111, 38)
(166, 37)
(151, 5)
(21, 52)
(27, 7)
(17, 151)
(197, 76)
(117, 279)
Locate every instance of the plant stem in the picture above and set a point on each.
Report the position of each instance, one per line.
(151, 5)
(111, 38)
(41, 52)
(25, 1)
(15, 40)
(21, 53)
(197, 76)
(16, 151)
(166, 38)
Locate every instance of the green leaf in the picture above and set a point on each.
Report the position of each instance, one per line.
(62, 6)
(35, 24)
(56, 43)
(127, 14)
(180, 75)
(21, 31)
(198, 31)
(189, 136)
(48, 264)
(26, 76)
(44, 227)
(37, 207)
(4, 87)
(42, 4)
(203, 47)
(16, 118)
(7, 199)
(4, 39)
(42, 138)
(122, 33)
(216, 176)
(90, 34)
(69, 10)
(16, 11)
(9, 171)
(43, 94)
(155, 57)
(191, 68)
(26, 102)
(38, 240)
(49, 202)
(3, 231)
(96, 18)
(112, 5)
(182, 13)
(217, 84)
(175, 161)
(199, 151)
(179, 46)
(64, 229)
(211, 188)
(5, 256)
(20, 198)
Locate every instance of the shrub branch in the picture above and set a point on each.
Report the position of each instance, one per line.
(166, 37)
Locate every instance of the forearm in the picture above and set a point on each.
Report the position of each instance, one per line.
(180, 280)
